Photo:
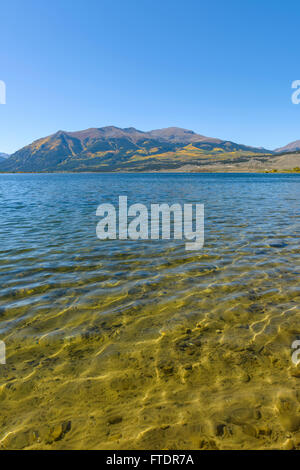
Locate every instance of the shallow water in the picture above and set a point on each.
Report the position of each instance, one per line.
(141, 344)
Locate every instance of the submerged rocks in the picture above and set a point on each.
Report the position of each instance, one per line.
(115, 420)
(57, 432)
(290, 423)
(166, 368)
(208, 444)
(289, 445)
(16, 440)
(243, 416)
(250, 430)
(295, 372)
(288, 408)
(188, 344)
(220, 429)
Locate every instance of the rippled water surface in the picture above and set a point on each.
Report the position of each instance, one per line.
(141, 344)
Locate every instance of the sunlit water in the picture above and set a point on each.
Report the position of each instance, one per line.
(141, 344)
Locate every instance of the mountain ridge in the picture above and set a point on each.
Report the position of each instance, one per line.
(3, 156)
(291, 147)
(112, 148)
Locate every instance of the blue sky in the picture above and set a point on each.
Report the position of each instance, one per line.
(222, 69)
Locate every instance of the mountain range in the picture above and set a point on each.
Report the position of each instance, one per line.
(112, 149)
(292, 147)
(3, 156)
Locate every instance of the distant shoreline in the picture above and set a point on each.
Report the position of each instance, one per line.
(176, 171)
